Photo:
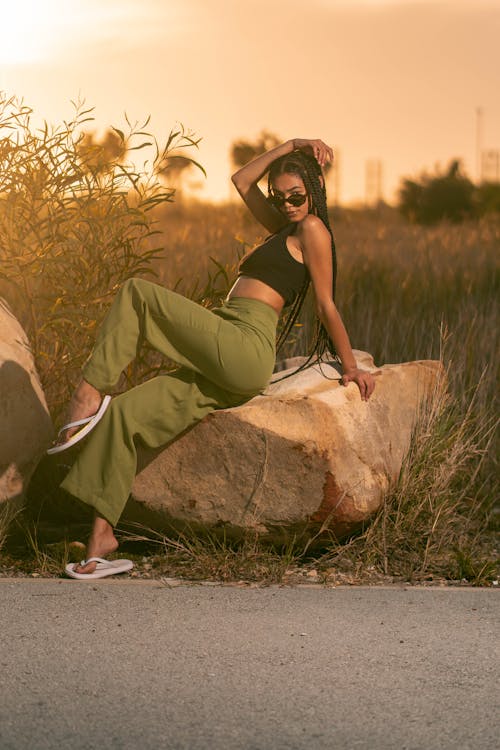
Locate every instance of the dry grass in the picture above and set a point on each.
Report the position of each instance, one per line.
(434, 522)
(8, 512)
(213, 556)
(405, 293)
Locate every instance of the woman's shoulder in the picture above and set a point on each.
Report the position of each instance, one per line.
(312, 227)
(311, 223)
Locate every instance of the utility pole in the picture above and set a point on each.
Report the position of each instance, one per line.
(479, 142)
(335, 171)
(373, 182)
(490, 165)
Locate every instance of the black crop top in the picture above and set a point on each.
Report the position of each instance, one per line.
(273, 264)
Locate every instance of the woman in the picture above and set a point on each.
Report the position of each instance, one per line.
(226, 355)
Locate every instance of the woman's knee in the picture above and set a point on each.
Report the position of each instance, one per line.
(135, 293)
(133, 285)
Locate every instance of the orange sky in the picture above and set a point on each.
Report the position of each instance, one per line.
(398, 81)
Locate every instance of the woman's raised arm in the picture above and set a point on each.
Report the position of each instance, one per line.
(245, 181)
(246, 178)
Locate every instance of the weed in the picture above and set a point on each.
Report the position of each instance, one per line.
(9, 510)
(434, 510)
(215, 556)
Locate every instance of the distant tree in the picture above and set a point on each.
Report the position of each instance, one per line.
(243, 151)
(443, 196)
(175, 167)
(101, 155)
(176, 164)
(174, 171)
(488, 197)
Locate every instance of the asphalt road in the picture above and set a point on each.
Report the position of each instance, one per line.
(138, 665)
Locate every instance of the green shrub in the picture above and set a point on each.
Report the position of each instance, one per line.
(488, 198)
(431, 199)
(73, 227)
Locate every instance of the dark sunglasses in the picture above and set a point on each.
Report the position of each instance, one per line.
(295, 199)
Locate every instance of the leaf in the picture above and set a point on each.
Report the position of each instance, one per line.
(197, 164)
(140, 146)
(119, 133)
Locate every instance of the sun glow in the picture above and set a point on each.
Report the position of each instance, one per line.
(36, 30)
(28, 29)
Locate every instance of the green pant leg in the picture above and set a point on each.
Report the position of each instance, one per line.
(153, 413)
(177, 327)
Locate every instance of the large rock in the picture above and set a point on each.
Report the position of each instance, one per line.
(25, 424)
(308, 453)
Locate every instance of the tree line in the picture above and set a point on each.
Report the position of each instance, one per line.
(429, 198)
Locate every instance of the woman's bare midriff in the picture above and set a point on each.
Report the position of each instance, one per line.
(245, 286)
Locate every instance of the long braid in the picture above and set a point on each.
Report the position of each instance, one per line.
(310, 171)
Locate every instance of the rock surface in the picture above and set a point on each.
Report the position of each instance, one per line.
(308, 453)
(25, 424)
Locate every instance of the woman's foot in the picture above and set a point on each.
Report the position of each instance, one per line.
(102, 542)
(84, 403)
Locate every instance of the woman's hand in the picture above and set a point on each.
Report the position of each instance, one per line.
(316, 147)
(363, 379)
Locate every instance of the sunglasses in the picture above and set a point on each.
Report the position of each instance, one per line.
(295, 199)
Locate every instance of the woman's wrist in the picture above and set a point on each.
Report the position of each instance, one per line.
(285, 148)
(349, 365)
(349, 370)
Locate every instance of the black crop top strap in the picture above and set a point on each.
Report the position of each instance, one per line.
(273, 264)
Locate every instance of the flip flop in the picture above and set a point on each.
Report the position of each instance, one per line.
(89, 424)
(104, 568)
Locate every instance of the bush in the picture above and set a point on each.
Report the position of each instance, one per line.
(73, 227)
(431, 199)
(488, 198)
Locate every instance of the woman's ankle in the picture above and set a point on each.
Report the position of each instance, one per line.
(84, 391)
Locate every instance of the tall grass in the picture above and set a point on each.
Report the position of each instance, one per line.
(405, 292)
(434, 522)
(70, 234)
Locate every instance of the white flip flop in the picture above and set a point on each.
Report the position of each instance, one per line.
(89, 424)
(104, 568)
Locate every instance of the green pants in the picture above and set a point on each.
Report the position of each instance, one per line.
(226, 357)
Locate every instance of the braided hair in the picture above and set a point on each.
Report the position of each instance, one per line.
(308, 169)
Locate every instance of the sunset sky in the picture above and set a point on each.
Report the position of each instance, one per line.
(396, 81)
